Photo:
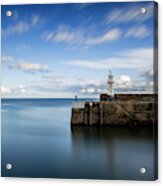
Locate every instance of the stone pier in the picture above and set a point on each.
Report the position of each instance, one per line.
(135, 109)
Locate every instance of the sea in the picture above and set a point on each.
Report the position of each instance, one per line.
(38, 141)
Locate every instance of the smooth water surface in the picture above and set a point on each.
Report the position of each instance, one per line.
(38, 141)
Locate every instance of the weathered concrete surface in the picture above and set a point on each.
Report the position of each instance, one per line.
(134, 111)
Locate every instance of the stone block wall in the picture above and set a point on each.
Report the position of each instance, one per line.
(139, 110)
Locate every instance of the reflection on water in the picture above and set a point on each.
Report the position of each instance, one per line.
(39, 142)
(114, 153)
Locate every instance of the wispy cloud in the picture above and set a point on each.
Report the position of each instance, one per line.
(35, 19)
(17, 28)
(64, 34)
(122, 83)
(129, 14)
(141, 58)
(148, 76)
(140, 31)
(78, 38)
(24, 47)
(29, 67)
(25, 65)
(5, 90)
(6, 59)
(81, 6)
(20, 89)
(21, 26)
(140, 53)
(17, 90)
(111, 35)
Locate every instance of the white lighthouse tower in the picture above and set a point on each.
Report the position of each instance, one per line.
(110, 84)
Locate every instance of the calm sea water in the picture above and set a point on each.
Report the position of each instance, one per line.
(38, 141)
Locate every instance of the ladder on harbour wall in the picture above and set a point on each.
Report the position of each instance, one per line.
(89, 119)
(131, 116)
(92, 113)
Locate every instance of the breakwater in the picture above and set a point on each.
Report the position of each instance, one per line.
(123, 109)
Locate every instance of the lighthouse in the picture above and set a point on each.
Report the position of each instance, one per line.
(110, 84)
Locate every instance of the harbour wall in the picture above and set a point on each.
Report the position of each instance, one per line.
(135, 109)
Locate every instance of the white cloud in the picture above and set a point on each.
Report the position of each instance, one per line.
(24, 47)
(29, 67)
(89, 90)
(19, 89)
(138, 32)
(18, 28)
(64, 34)
(88, 64)
(140, 53)
(21, 26)
(129, 14)
(151, 83)
(6, 59)
(93, 90)
(24, 65)
(111, 35)
(81, 6)
(149, 76)
(139, 59)
(123, 79)
(123, 82)
(77, 38)
(5, 90)
(35, 19)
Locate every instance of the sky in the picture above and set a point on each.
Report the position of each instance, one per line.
(62, 50)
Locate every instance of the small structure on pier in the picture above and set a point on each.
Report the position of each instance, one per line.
(110, 84)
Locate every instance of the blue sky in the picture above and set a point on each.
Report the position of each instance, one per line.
(62, 50)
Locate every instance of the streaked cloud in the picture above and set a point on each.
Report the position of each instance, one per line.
(5, 90)
(141, 58)
(35, 19)
(81, 6)
(138, 32)
(64, 34)
(111, 35)
(29, 67)
(6, 59)
(148, 76)
(16, 90)
(77, 38)
(21, 26)
(123, 82)
(129, 14)
(23, 47)
(141, 53)
(20, 89)
(17, 28)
